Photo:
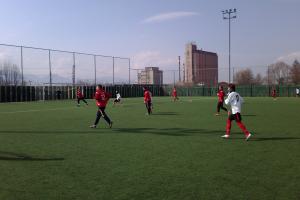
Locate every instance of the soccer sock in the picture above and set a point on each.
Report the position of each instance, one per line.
(107, 119)
(224, 108)
(218, 108)
(243, 127)
(97, 118)
(228, 126)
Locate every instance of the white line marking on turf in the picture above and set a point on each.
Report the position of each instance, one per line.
(25, 111)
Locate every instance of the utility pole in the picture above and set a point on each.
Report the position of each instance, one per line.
(179, 69)
(229, 14)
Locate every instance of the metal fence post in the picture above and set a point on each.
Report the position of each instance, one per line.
(113, 69)
(129, 70)
(22, 65)
(50, 70)
(95, 65)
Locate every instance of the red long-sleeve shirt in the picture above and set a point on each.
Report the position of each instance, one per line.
(221, 95)
(79, 94)
(174, 93)
(102, 98)
(147, 96)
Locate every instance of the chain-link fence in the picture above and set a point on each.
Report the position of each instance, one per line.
(37, 93)
(21, 65)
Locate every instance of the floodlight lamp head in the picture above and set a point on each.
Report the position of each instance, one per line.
(234, 10)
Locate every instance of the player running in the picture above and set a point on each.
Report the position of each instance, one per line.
(101, 97)
(235, 101)
(274, 94)
(221, 96)
(118, 98)
(147, 100)
(174, 94)
(80, 97)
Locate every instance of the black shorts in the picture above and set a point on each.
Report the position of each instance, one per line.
(237, 117)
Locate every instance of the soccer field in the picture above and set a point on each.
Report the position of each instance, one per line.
(48, 151)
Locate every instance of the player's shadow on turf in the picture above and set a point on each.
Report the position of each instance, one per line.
(165, 113)
(167, 131)
(22, 157)
(249, 115)
(274, 138)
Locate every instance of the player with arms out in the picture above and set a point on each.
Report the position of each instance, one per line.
(147, 100)
(235, 101)
(80, 97)
(101, 97)
(174, 94)
(220, 95)
(118, 98)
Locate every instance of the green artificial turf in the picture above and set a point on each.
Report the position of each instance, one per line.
(48, 151)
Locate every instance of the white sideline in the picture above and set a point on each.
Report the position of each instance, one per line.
(73, 107)
(24, 111)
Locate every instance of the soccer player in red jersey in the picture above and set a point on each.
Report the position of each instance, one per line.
(147, 100)
(174, 94)
(274, 93)
(220, 95)
(101, 97)
(80, 97)
(235, 101)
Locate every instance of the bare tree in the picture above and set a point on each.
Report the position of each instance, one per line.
(258, 80)
(278, 73)
(295, 73)
(9, 74)
(244, 77)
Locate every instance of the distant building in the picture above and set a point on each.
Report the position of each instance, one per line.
(151, 75)
(201, 67)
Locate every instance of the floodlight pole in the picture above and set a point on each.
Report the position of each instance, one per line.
(229, 14)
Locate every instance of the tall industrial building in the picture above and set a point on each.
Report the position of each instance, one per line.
(151, 75)
(201, 67)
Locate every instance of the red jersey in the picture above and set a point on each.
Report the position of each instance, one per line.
(174, 93)
(79, 94)
(147, 96)
(274, 93)
(102, 98)
(221, 95)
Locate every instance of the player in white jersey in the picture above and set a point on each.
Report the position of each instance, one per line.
(118, 98)
(235, 101)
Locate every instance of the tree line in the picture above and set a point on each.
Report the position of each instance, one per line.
(10, 74)
(277, 73)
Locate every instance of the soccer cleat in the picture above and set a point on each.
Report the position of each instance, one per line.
(225, 136)
(217, 114)
(93, 126)
(110, 124)
(248, 136)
